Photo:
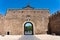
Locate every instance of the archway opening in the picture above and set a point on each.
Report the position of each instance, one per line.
(28, 28)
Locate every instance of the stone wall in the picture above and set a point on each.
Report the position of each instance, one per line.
(14, 20)
(54, 24)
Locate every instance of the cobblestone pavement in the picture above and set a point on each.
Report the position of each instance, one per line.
(29, 37)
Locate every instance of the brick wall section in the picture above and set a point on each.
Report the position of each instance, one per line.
(54, 23)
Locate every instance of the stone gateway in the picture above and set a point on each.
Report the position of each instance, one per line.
(25, 21)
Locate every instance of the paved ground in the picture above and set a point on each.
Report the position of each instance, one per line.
(29, 37)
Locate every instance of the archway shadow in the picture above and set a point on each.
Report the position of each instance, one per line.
(28, 37)
(28, 28)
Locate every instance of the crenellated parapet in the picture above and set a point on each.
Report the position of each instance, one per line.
(55, 15)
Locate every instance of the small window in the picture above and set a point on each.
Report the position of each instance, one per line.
(41, 11)
(7, 33)
(38, 11)
(28, 15)
(34, 11)
(13, 11)
(22, 11)
(19, 11)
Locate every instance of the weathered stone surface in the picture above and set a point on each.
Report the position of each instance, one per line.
(54, 23)
(14, 20)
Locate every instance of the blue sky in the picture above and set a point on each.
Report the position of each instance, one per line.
(28, 24)
(52, 5)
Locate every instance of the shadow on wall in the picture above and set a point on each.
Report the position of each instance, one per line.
(28, 37)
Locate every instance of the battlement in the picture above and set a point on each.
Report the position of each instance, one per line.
(55, 15)
(33, 10)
